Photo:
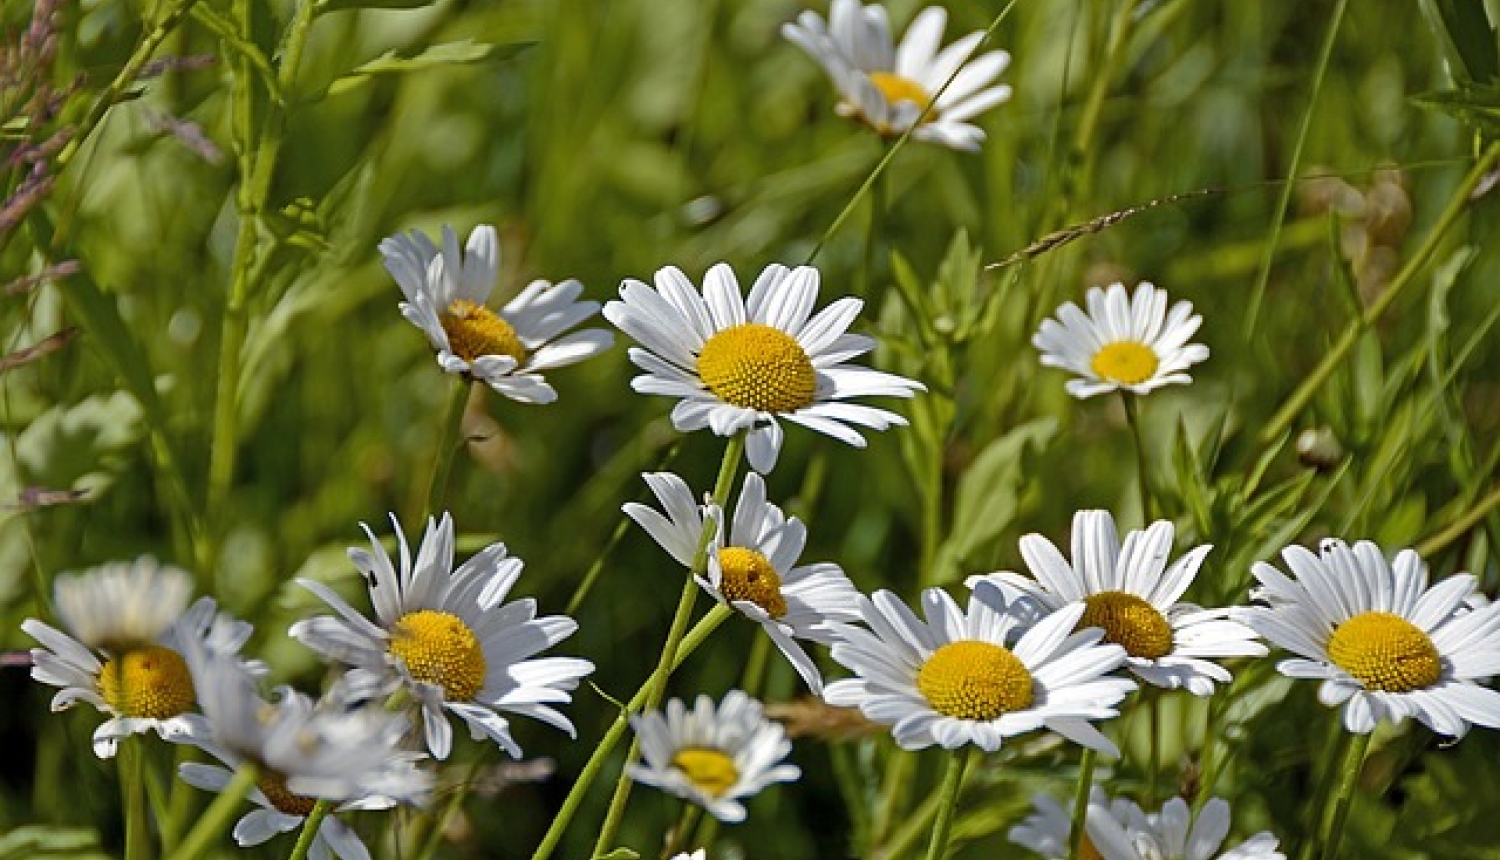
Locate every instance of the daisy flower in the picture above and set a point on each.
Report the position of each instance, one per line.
(1385, 645)
(129, 623)
(1123, 343)
(890, 86)
(446, 637)
(713, 756)
(1173, 834)
(446, 291)
(741, 364)
(1046, 831)
(753, 568)
(304, 752)
(953, 680)
(1132, 594)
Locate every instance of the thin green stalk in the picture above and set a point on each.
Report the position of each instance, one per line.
(310, 827)
(864, 188)
(906, 837)
(440, 822)
(1334, 753)
(1153, 762)
(132, 767)
(708, 831)
(734, 451)
(116, 89)
(894, 788)
(1459, 527)
(695, 637)
(1456, 205)
(1337, 810)
(1081, 801)
(942, 826)
(1079, 165)
(215, 821)
(677, 840)
(1133, 418)
(448, 446)
(1283, 203)
(754, 676)
(866, 281)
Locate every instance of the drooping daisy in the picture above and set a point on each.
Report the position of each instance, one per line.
(713, 756)
(890, 86)
(446, 291)
(1173, 834)
(1385, 645)
(1046, 831)
(752, 569)
(741, 364)
(1123, 343)
(129, 622)
(1132, 594)
(447, 638)
(304, 752)
(953, 679)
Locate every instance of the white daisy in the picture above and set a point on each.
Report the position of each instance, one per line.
(1173, 834)
(1384, 644)
(890, 86)
(1046, 831)
(1123, 342)
(953, 680)
(740, 364)
(304, 753)
(446, 291)
(131, 624)
(1132, 595)
(712, 756)
(445, 636)
(752, 570)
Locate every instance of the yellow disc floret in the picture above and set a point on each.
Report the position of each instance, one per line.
(273, 786)
(1126, 362)
(758, 367)
(711, 770)
(973, 680)
(439, 648)
(474, 330)
(1128, 621)
(896, 89)
(748, 575)
(151, 682)
(1385, 652)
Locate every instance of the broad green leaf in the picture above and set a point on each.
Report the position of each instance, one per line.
(41, 841)
(463, 52)
(1468, 34)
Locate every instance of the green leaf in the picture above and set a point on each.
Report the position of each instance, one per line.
(463, 52)
(619, 854)
(1469, 36)
(341, 5)
(38, 841)
(1476, 105)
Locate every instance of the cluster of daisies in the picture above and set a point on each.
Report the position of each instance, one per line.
(1057, 648)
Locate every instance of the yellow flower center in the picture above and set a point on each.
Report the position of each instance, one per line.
(439, 648)
(1128, 621)
(1126, 362)
(1385, 652)
(152, 681)
(711, 770)
(273, 786)
(748, 575)
(474, 330)
(898, 89)
(973, 680)
(758, 367)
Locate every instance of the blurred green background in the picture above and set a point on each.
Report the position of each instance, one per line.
(608, 138)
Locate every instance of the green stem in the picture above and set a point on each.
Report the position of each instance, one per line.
(1456, 205)
(1081, 802)
(893, 793)
(214, 822)
(112, 93)
(947, 802)
(695, 637)
(1080, 155)
(132, 767)
(448, 447)
(1440, 541)
(310, 826)
(440, 823)
(1337, 810)
(989, 33)
(1263, 277)
(1153, 763)
(906, 837)
(866, 281)
(733, 452)
(754, 676)
(677, 840)
(1133, 418)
